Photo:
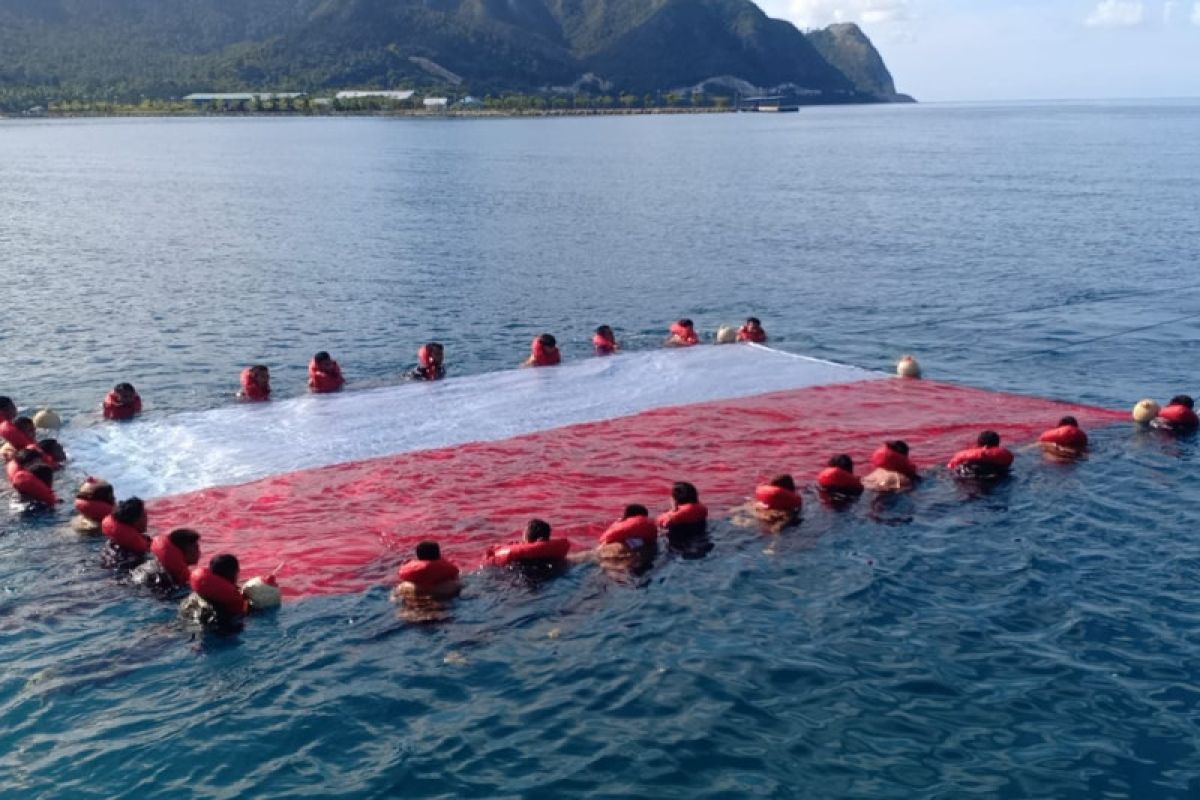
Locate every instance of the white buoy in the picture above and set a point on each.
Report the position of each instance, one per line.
(1145, 411)
(907, 367)
(726, 334)
(262, 594)
(47, 420)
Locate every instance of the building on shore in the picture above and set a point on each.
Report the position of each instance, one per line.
(436, 103)
(239, 100)
(398, 96)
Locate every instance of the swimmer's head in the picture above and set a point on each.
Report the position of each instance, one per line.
(8, 409)
(683, 493)
(95, 489)
(753, 323)
(432, 354)
(260, 374)
(25, 425)
(726, 335)
(537, 530)
(322, 359)
(52, 448)
(1145, 411)
(635, 510)
(43, 473)
(27, 458)
(907, 367)
(125, 391)
(898, 446)
(188, 542)
(47, 420)
(784, 482)
(428, 551)
(1068, 421)
(547, 340)
(1182, 400)
(685, 323)
(129, 512)
(842, 461)
(226, 565)
(988, 439)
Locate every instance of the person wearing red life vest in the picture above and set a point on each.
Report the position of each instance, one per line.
(428, 575)
(256, 384)
(17, 435)
(687, 515)
(217, 585)
(35, 485)
(1179, 415)
(431, 363)
(752, 331)
(122, 403)
(682, 334)
(837, 481)
(324, 374)
(1065, 441)
(893, 470)
(988, 459)
(535, 548)
(94, 501)
(23, 460)
(543, 352)
(604, 341)
(125, 529)
(175, 554)
(634, 534)
(777, 502)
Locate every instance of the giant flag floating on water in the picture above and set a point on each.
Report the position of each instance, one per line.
(341, 487)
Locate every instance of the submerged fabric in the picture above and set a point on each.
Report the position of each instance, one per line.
(344, 527)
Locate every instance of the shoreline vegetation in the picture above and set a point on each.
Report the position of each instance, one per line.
(466, 113)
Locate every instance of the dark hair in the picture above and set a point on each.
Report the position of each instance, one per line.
(1074, 423)
(988, 439)
(129, 511)
(1182, 400)
(26, 457)
(428, 551)
(24, 424)
(899, 446)
(226, 565)
(435, 346)
(321, 356)
(257, 368)
(685, 322)
(784, 482)
(683, 492)
(52, 448)
(753, 321)
(124, 387)
(842, 461)
(183, 537)
(102, 493)
(7, 403)
(43, 473)
(548, 340)
(635, 510)
(537, 530)
(605, 331)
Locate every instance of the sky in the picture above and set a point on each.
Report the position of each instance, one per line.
(1023, 49)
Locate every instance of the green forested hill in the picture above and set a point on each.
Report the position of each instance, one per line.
(127, 49)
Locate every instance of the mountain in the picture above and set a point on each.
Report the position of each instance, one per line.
(127, 49)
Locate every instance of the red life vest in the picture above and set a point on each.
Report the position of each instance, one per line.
(221, 592)
(1180, 417)
(997, 458)
(887, 458)
(251, 390)
(836, 479)
(11, 469)
(95, 510)
(31, 487)
(323, 382)
(171, 558)
(545, 356)
(524, 552)
(604, 346)
(686, 514)
(15, 436)
(116, 410)
(776, 498)
(430, 370)
(632, 532)
(747, 335)
(1067, 436)
(127, 537)
(687, 336)
(427, 575)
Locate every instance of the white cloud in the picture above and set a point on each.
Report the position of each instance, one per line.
(1169, 9)
(1117, 14)
(1196, 14)
(818, 13)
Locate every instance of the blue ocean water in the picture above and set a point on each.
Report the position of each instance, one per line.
(1036, 641)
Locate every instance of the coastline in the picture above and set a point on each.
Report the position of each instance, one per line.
(415, 113)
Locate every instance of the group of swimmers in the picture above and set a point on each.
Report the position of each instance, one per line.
(170, 562)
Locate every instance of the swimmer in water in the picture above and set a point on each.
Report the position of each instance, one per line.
(53, 453)
(216, 599)
(35, 485)
(688, 515)
(122, 403)
(125, 529)
(94, 501)
(324, 374)
(543, 352)
(752, 331)
(987, 460)
(428, 575)
(256, 384)
(777, 504)
(431, 365)
(633, 536)
(837, 482)
(175, 553)
(9, 431)
(1178, 415)
(23, 460)
(535, 548)
(604, 341)
(683, 334)
(894, 471)
(1064, 443)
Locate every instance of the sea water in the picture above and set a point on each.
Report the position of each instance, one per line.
(1035, 641)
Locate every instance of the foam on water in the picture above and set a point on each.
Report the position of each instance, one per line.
(184, 452)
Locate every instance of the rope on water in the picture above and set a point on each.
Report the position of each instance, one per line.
(1095, 339)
